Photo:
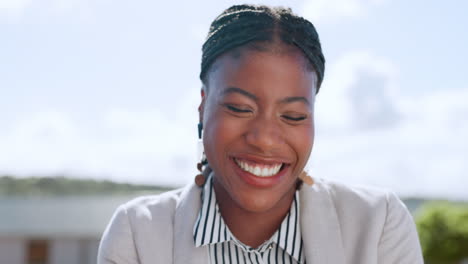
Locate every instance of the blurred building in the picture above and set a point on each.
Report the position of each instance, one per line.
(55, 230)
(62, 230)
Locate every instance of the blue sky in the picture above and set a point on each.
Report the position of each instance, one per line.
(109, 89)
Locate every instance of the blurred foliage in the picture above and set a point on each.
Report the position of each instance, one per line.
(443, 231)
(59, 186)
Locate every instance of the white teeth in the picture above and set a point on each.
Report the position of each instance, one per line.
(260, 171)
(257, 171)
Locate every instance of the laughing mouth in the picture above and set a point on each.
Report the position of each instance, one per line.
(258, 169)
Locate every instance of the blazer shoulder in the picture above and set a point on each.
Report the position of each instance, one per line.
(150, 205)
(139, 226)
(365, 203)
(356, 197)
(376, 218)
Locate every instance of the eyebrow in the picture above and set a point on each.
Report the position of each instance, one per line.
(230, 90)
(295, 99)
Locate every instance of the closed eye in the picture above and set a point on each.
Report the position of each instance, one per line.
(237, 109)
(294, 118)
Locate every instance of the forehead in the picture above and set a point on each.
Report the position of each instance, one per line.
(276, 47)
(284, 68)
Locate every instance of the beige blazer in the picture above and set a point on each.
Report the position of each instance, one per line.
(340, 224)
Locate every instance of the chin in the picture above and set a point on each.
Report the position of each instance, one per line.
(262, 201)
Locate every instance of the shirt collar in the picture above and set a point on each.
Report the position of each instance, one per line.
(211, 229)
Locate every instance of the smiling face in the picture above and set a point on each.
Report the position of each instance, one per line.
(258, 126)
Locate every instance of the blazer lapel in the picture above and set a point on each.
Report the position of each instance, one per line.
(184, 249)
(320, 228)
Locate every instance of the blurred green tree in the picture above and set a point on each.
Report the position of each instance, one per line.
(443, 231)
(62, 186)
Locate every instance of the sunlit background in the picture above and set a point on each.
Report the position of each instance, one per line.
(109, 90)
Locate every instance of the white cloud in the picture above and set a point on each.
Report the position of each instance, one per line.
(14, 4)
(333, 10)
(413, 145)
(45, 140)
(13, 9)
(358, 90)
(16, 10)
(145, 145)
(198, 32)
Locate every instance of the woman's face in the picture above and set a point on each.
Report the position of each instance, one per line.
(258, 126)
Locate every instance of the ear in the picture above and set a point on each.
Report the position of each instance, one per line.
(201, 107)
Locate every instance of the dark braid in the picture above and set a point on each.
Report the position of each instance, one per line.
(243, 24)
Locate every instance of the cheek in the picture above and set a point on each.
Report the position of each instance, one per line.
(221, 132)
(302, 141)
(219, 128)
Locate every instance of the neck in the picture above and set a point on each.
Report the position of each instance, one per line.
(252, 228)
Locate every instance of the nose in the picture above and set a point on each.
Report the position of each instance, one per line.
(264, 135)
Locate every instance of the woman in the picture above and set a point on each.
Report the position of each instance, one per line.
(261, 70)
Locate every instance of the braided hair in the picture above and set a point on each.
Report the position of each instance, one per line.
(241, 25)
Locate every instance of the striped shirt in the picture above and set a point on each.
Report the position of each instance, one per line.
(285, 246)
